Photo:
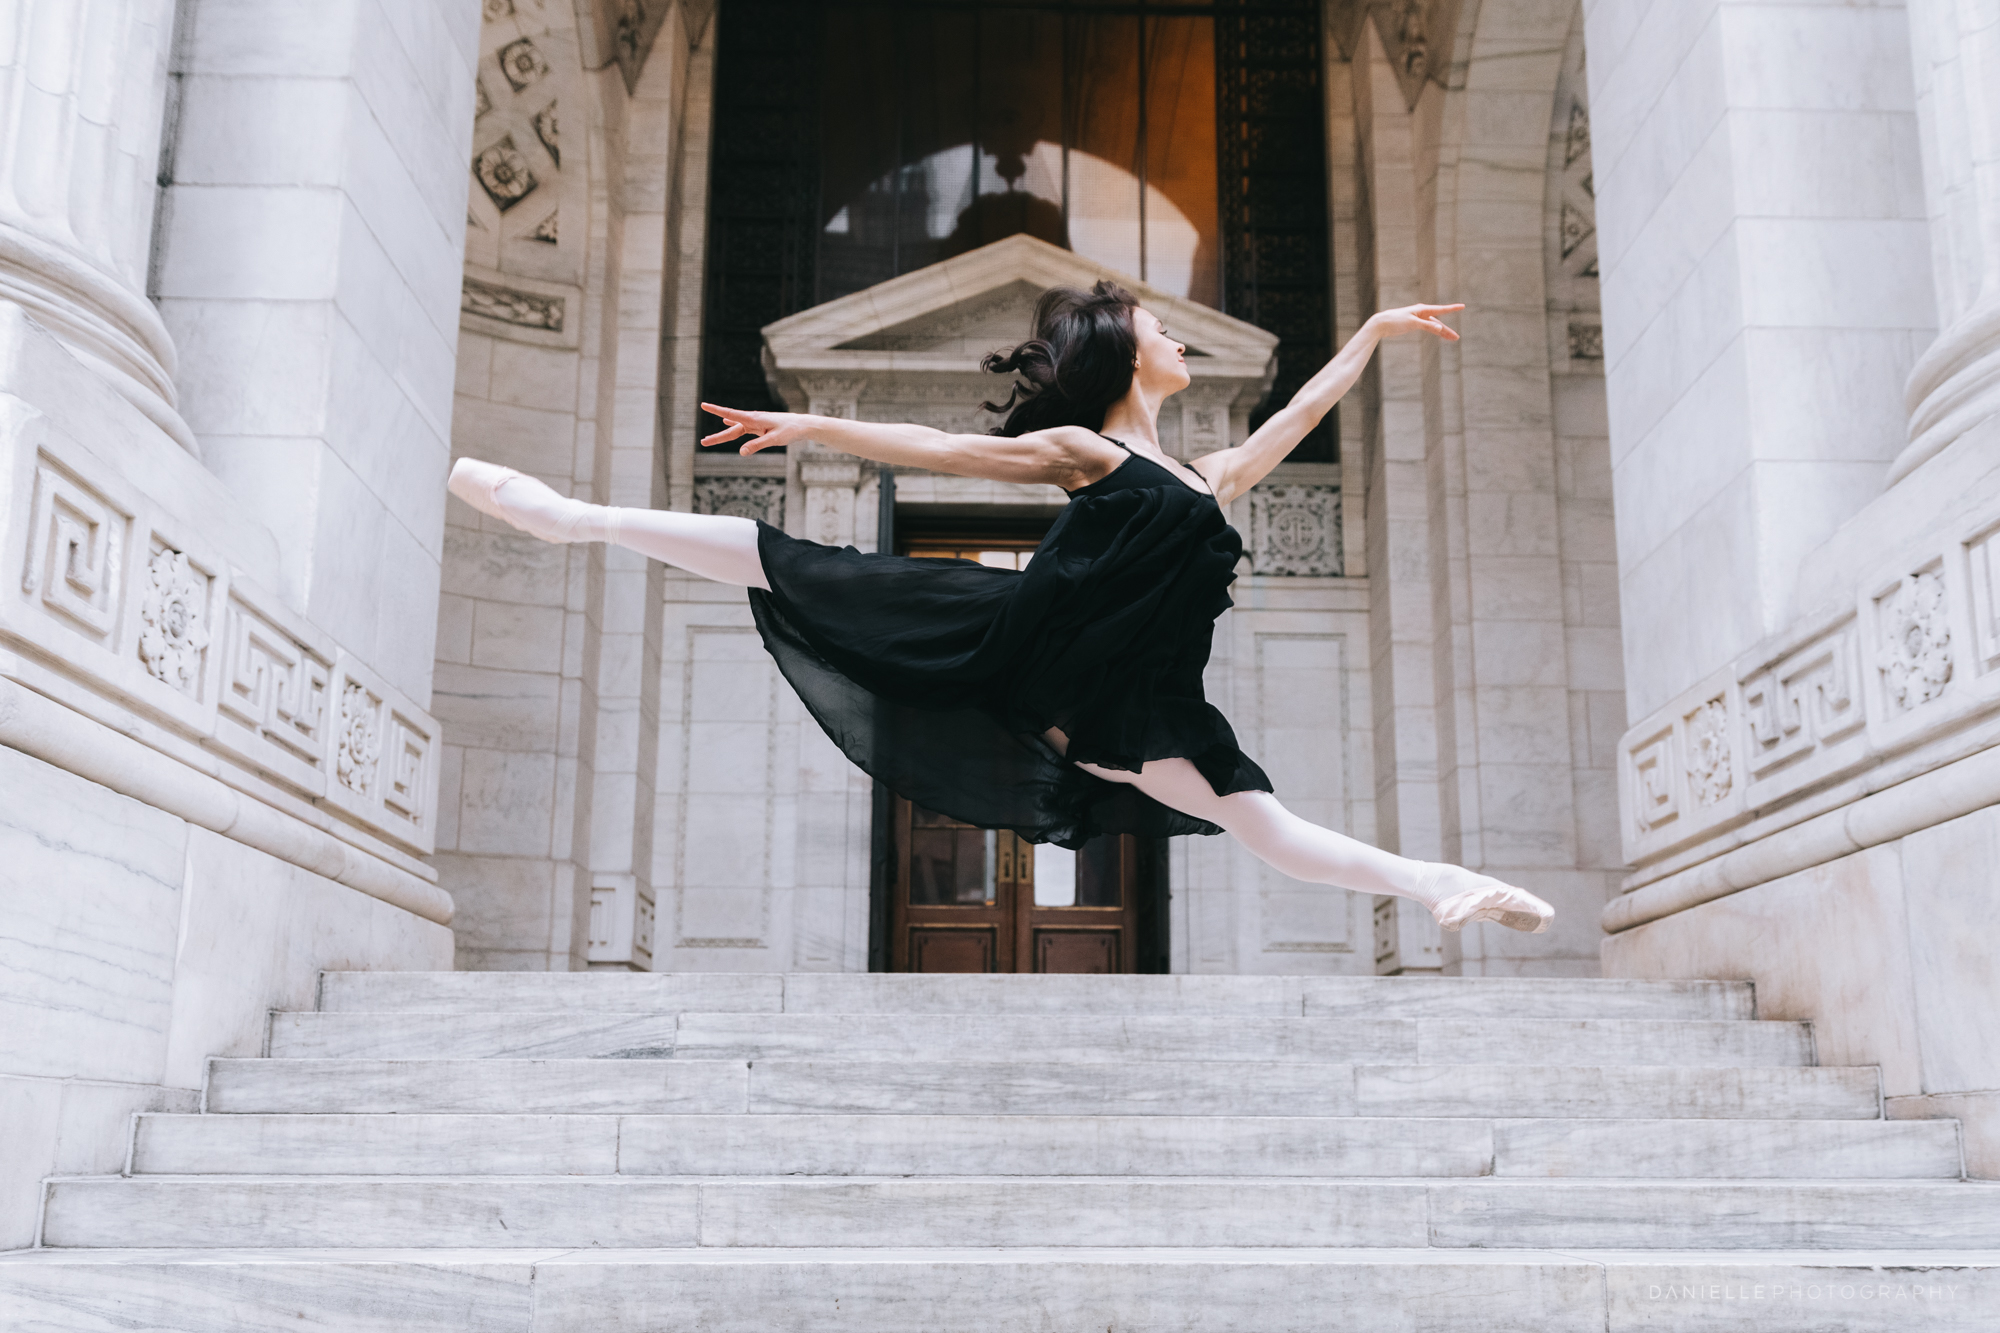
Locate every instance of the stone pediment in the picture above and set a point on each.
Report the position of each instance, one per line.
(919, 337)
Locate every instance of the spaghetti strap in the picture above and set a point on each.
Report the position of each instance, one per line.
(1114, 439)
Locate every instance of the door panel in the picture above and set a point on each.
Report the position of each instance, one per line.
(948, 949)
(969, 899)
(1089, 951)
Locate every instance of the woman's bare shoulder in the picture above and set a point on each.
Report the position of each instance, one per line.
(1080, 452)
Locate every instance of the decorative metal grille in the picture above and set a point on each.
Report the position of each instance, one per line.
(1271, 143)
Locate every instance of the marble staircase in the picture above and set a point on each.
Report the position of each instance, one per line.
(537, 1152)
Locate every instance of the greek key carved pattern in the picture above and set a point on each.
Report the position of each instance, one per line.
(278, 688)
(76, 552)
(1802, 702)
(1656, 802)
(1295, 530)
(404, 793)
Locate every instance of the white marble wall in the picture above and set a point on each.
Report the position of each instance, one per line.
(548, 657)
(1499, 686)
(1766, 291)
(133, 946)
(308, 265)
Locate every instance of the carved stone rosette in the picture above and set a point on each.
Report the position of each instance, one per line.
(174, 615)
(1710, 774)
(1915, 654)
(360, 740)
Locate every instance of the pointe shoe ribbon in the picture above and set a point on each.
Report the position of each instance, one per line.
(1516, 909)
(478, 484)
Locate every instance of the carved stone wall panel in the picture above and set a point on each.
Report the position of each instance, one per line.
(1295, 530)
(275, 704)
(745, 497)
(734, 789)
(527, 151)
(382, 752)
(1204, 420)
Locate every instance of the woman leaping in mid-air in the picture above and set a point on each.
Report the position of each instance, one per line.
(1062, 700)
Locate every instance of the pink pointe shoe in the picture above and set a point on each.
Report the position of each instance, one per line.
(553, 519)
(1490, 900)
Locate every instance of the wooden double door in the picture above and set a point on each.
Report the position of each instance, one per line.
(968, 899)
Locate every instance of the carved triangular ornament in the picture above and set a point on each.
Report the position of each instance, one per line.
(937, 322)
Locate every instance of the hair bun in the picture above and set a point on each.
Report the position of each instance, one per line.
(1075, 366)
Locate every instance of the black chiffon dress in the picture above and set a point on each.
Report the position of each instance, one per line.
(939, 676)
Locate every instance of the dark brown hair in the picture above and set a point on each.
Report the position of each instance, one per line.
(1077, 364)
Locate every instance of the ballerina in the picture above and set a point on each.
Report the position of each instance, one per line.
(1062, 700)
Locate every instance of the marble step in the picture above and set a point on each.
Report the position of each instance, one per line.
(1028, 1146)
(884, 993)
(724, 1087)
(1575, 1041)
(932, 1290)
(1555, 1147)
(1569, 1091)
(1044, 1037)
(227, 1212)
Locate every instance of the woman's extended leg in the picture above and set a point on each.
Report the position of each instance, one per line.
(716, 546)
(1304, 850)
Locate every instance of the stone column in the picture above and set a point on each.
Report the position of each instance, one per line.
(82, 92)
(1955, 385)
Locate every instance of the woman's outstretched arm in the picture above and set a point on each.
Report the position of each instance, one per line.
(1231, 472)
(1050, 457)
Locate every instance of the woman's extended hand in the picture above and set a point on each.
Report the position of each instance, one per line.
(1410, 318)
(771, 428)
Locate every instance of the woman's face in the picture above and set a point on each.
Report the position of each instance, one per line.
(1162, 367)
